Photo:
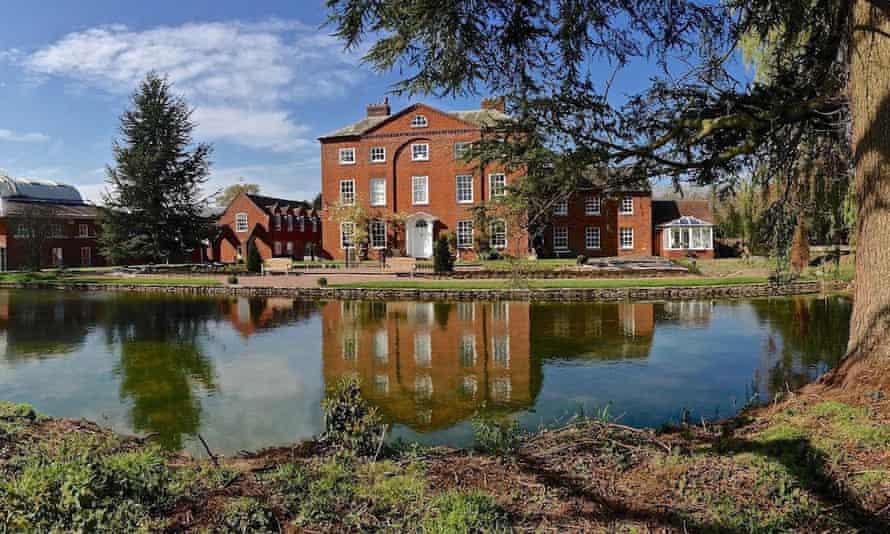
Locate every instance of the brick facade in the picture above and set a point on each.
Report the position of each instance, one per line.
(609, 221)
(72, 248)
(392, 137)
(297, 236)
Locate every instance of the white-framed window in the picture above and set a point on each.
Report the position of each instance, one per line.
(592, 238)
(377, 234)
(302, 223)
(347, 230)
(464, 234)
(83, 230)
(277, 221)
(461, 149)
(500, 311)
(561, 207)
(560, 238)
(349, 346)
(241, 222)
(347, 192)
(290, 248)
(592, 205)
(466, 311)
(290, 222)
(692, 238)
(278, 248)
(420, 152)
(378, 191)
(381, 346)
(467, 350)
(627, 206)
(22, 231)
(378, 154)
(497, 184)
(420, 189)
(423, 349)
(500, 349)
(346, 156)
(498, 234)
(464, 189)
(86, 256)
(419, 121)
(626, 238)
(57, 231)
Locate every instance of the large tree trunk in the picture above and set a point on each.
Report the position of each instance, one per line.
(867, 364)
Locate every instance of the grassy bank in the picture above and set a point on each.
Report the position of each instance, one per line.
(50, 277)
(807, 464)
(574, 283)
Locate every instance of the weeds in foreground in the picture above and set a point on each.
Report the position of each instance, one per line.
(499, 438)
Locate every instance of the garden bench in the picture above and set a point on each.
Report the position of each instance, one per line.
(277, 265)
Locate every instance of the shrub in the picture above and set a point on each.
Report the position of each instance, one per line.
(233, 280)
(322, 282)
(444, 261)
(496, 437)
(350, 422)
(246, 514)
(82, 491)
(582, 259)
(456, 512)
(493, 255)
(254, 261)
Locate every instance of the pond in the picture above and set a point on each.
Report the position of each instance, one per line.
(248, 373)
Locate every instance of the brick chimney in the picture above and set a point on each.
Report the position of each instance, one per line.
(496, 103)
(379, 109)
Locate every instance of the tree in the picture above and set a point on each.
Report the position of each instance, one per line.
(443, 259)
(35, 227)
(800, 248)
(154, 210)
(228, 195)
(826, 60)
(254, 261)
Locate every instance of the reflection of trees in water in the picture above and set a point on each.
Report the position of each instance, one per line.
(808, 336)
(40, 324)
(161, 360)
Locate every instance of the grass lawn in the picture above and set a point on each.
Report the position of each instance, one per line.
(606, 283)
(56, 278)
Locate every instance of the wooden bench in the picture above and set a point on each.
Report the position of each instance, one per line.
(277, 265)
(401, 265)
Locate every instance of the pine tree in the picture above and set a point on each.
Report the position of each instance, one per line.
(443, 260)
(154, 209)
(254, 261)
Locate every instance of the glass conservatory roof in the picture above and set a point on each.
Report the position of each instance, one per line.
(37, 190)
(687, 220)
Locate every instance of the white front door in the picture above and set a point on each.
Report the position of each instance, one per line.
(421, 242)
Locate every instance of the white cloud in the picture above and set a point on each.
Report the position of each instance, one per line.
(272, 130)
(14, 137)
(240, 76)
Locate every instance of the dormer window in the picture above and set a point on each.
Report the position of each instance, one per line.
(419, 121)
(347, 156)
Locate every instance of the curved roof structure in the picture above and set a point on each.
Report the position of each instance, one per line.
(38, 190)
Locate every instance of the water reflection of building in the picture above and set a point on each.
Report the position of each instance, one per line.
(687, 312)
(430, 365)
(249, 315)
(603, 331)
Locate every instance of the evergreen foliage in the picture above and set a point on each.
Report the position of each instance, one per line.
(443, 260)
(154, 210)
(254, 261)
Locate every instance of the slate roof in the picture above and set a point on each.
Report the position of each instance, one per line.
(666, 211)
(18, 207)
(480, 117)
(268, 203)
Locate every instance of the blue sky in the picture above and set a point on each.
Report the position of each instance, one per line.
(264, 78)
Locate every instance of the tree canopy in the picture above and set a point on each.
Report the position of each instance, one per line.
(155, 210)
(229, 193)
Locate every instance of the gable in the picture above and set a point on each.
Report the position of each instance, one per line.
(400, 123)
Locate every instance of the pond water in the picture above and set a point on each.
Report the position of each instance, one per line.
(248, 373)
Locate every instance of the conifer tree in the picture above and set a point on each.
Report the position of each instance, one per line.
(154, 206)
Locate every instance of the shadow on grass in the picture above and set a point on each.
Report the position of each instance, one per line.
(806, 464)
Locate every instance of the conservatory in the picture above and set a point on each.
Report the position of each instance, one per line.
(688, 233)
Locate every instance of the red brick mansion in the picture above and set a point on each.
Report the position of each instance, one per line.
(408, 166)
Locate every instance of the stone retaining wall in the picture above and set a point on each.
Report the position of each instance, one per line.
(554, 295)
(544, 274)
